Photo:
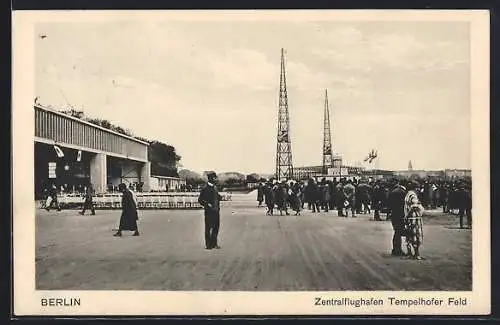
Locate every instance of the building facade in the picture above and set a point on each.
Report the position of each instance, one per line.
(70, 152)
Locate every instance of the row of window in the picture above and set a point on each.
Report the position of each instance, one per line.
(60, 129)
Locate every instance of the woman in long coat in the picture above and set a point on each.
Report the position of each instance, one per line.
(128, 219)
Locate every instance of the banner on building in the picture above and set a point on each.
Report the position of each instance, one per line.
(52, 170)
(59, 152)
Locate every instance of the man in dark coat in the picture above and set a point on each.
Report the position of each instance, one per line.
(210, 199)
(331, 190)
(464, 200)
(282, 197)
(260, 194)
(377, 199)
(363, 192)
(128, 219)
(269, 198)
(396, 206)
(339, 197)
(324, 195)
(311, 195)
(88, 204)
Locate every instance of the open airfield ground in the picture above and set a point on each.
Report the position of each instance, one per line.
(280, 253)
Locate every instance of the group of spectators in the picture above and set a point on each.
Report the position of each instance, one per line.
(359, 196)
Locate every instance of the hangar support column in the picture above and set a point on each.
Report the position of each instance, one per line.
(99, 173)
(145, 172)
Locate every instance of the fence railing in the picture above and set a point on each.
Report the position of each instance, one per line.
(145, 200)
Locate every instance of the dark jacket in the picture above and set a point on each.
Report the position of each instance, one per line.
(89, 193)
(311, 192)
(128, 220)
(210, 196)
(464, 199)
(397, 202)
(269, 195)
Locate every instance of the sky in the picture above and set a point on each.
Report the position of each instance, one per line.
(210, 88)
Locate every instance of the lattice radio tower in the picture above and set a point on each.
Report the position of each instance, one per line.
(327, 140)
(284, 166)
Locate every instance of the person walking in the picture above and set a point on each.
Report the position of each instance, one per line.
(210, 200)
(260, 194)
(88, 204)
(128, 218)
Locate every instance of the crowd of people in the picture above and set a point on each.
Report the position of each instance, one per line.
(392, 197)
(360, 196)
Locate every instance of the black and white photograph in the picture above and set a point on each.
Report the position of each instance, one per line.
(336, 159)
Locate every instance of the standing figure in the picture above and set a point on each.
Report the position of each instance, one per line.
(324, 195)
(295, 199)
(52, 198)
(377, 198)
(269, 198)
(444, 195)
(282, 197)
(311, 194)
(339, 197)
(331, 192)
(88, 204)
(396, 206)
(210, 199)
(464, 202)
(363, 192)
(302, 194)
(350, 198)
(128, 219)
(260, 194)
(413, 228)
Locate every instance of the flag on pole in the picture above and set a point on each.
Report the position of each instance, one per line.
(79, 156)
(59, 152)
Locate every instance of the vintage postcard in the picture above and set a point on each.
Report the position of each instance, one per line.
(251, 162)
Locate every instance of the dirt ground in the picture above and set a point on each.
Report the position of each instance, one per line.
(280, 253)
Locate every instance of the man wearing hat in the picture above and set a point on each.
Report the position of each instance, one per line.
(210, 199)
(396, 206)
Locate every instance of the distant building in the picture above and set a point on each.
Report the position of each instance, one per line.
(316, 172)
(420, 173)
(459, 173)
